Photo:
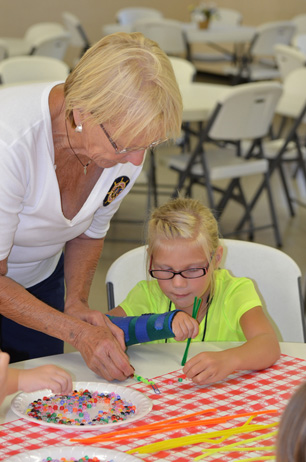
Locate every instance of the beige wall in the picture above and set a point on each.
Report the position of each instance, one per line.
(17, 15)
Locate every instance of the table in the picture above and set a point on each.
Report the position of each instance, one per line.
(221, 34)
(146, 360)
(215, 34)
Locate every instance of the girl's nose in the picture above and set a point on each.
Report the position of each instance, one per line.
(179, 281)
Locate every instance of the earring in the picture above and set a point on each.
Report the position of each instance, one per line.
(79, 128)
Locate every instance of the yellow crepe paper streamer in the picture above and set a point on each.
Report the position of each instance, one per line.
(255, 459)
(224, 438)
(187, 440)
(238, 449)
(233, 446)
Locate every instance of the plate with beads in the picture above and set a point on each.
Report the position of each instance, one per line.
(91, 405)
(69, 453)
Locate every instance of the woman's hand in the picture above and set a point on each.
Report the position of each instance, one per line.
(102, 348)
(96, 318)
(82, 311)
(49, 376)
(210, 367)
(184, 326)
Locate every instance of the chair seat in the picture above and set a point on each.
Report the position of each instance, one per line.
(272, 148)
(221, 165)
(211, 57)
(17, 46)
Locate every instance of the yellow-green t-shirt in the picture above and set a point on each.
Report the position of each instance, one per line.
(232, 298)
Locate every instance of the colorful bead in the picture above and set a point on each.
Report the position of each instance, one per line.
(72, 459)
(74, 409)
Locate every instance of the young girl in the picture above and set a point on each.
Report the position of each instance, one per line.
(38, 378)
(291, 438)
(183, 255)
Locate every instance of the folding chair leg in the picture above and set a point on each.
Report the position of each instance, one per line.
(152, 189)
(273, 213)
(265, 184)
(286, 189)
(235, 183)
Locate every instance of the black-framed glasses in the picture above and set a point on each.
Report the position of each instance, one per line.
(191, 273)
(124, 150)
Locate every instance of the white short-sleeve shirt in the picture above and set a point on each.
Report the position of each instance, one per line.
(33, 229)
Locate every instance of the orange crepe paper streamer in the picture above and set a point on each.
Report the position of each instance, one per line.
(161, 423)
(163, 426)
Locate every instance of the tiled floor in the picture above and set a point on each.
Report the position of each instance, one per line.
(293, 229)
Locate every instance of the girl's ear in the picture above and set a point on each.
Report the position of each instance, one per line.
(218, 256)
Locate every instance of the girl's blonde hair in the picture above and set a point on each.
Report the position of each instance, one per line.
(128, 81)
(291, 438)
(184, 218)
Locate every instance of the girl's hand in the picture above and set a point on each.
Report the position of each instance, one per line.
(210, 367)
(184, 326)
(49, 376)
(4, 360)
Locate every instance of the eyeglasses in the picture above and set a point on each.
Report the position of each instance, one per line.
(122, 151)
(191, 273)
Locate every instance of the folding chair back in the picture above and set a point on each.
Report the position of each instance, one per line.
(168, 33)
(40, 29)
(184, 70)
(253, 106)
(227, 17)
(270, 34)
(23, 69)
(277, 279)
(131, 14)
(300, 23)
(242, 113)
(78, 36)
(53, 44)
(124, 273)
(294, 93)
(288, 59)
(299, 41)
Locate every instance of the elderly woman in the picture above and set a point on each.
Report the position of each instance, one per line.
(69, 154)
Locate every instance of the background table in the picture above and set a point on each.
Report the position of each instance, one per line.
(146, 360)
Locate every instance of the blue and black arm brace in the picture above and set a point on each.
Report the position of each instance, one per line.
(145, 328)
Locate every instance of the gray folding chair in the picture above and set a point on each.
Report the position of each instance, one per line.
(78, 36)
(244, 112)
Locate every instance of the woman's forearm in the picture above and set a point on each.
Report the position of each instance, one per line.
(81, 258)
(17, 304)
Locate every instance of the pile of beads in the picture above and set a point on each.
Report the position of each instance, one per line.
(72, 459)
(81, 408)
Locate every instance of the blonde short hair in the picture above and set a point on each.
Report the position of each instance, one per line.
(128, 81)
(184, 218)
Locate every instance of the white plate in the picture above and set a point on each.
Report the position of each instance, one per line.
(143, 404)
(73, 451)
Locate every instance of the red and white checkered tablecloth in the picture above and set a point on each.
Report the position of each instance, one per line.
(239, 393)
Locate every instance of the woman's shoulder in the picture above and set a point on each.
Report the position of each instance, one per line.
(30, 103)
